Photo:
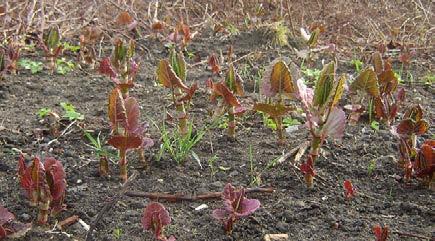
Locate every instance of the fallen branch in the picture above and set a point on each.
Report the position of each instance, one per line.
(109, 205)
(412, 235)
(183, 197)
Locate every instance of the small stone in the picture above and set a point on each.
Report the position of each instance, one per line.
(234, 173)
(79, 181)
(25, 217)
(276, 237)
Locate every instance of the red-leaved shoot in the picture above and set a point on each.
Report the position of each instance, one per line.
(213, 63)
(407, 130)
(278, 84)
(323, 117)
(381, 86)
(127, 132)
(155, 218)
(349, 191)
(9, 227)
(52, 46)
(121, 66)
(181, 35)
(89, 36)
(44, 185)
(226, 91)
(172, 75)
(381, 233)
(424, 165)
(236, 206)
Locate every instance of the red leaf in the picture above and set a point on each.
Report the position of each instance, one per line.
(349, 191)
(125, 142)
(220, 89)
(117, 112)
(335, 125)
(56, 181)
(132, 112)
(155, 217)
(106, 68)
(5, 216)
(381, 233)
(214, 64)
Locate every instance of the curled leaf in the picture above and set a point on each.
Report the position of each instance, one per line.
(273, 110)
(278, 79)
(167, 76)
(366, 81)
(155, 218)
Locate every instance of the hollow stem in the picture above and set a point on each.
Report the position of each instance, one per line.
(316, 143)
(280, 131)
(44, 207)
(123, 165)
(231, 123)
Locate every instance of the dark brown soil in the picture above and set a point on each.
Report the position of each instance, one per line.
(318, 214)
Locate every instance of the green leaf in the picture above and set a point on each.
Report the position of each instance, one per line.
(324, 85)
(367, 81)
(70, 47)
(70, 112)
(53, 38)
(43, 112)
(33, 66)
(178, 64)
(374, 125)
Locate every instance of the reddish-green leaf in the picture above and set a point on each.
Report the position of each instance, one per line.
(324, 85)
(367, 81)
(125, 142)
(167, 76)
(273, 110)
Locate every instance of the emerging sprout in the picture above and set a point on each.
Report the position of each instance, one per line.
(52, 46)
(127, 132)
(155, 218)
(236, 207)
(44, 184)
(324, 117)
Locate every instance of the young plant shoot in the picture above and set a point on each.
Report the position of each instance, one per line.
(89, 36)
(9, 226)
(172, 74)
(127, 132)
(121, 66)
(381, 85)
(155, 218)
(52, 47)
(411, 126)
(236, 206)
(44, 184)
(228, 102)
(323, 117)
(278, 84)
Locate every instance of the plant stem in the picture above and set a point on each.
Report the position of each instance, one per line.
(123, 165)
(44, 206)
(314, 153)
(280, 131)
(181, 113)
(231, 123)
(104, 166)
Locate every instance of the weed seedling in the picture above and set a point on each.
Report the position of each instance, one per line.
(255, 175)
(236, 206)
(44, 185)
(34, 66)
(70, 112)
(323, 117)
(63, 66)
(101, 153)
(155, 218)
(179, 146)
